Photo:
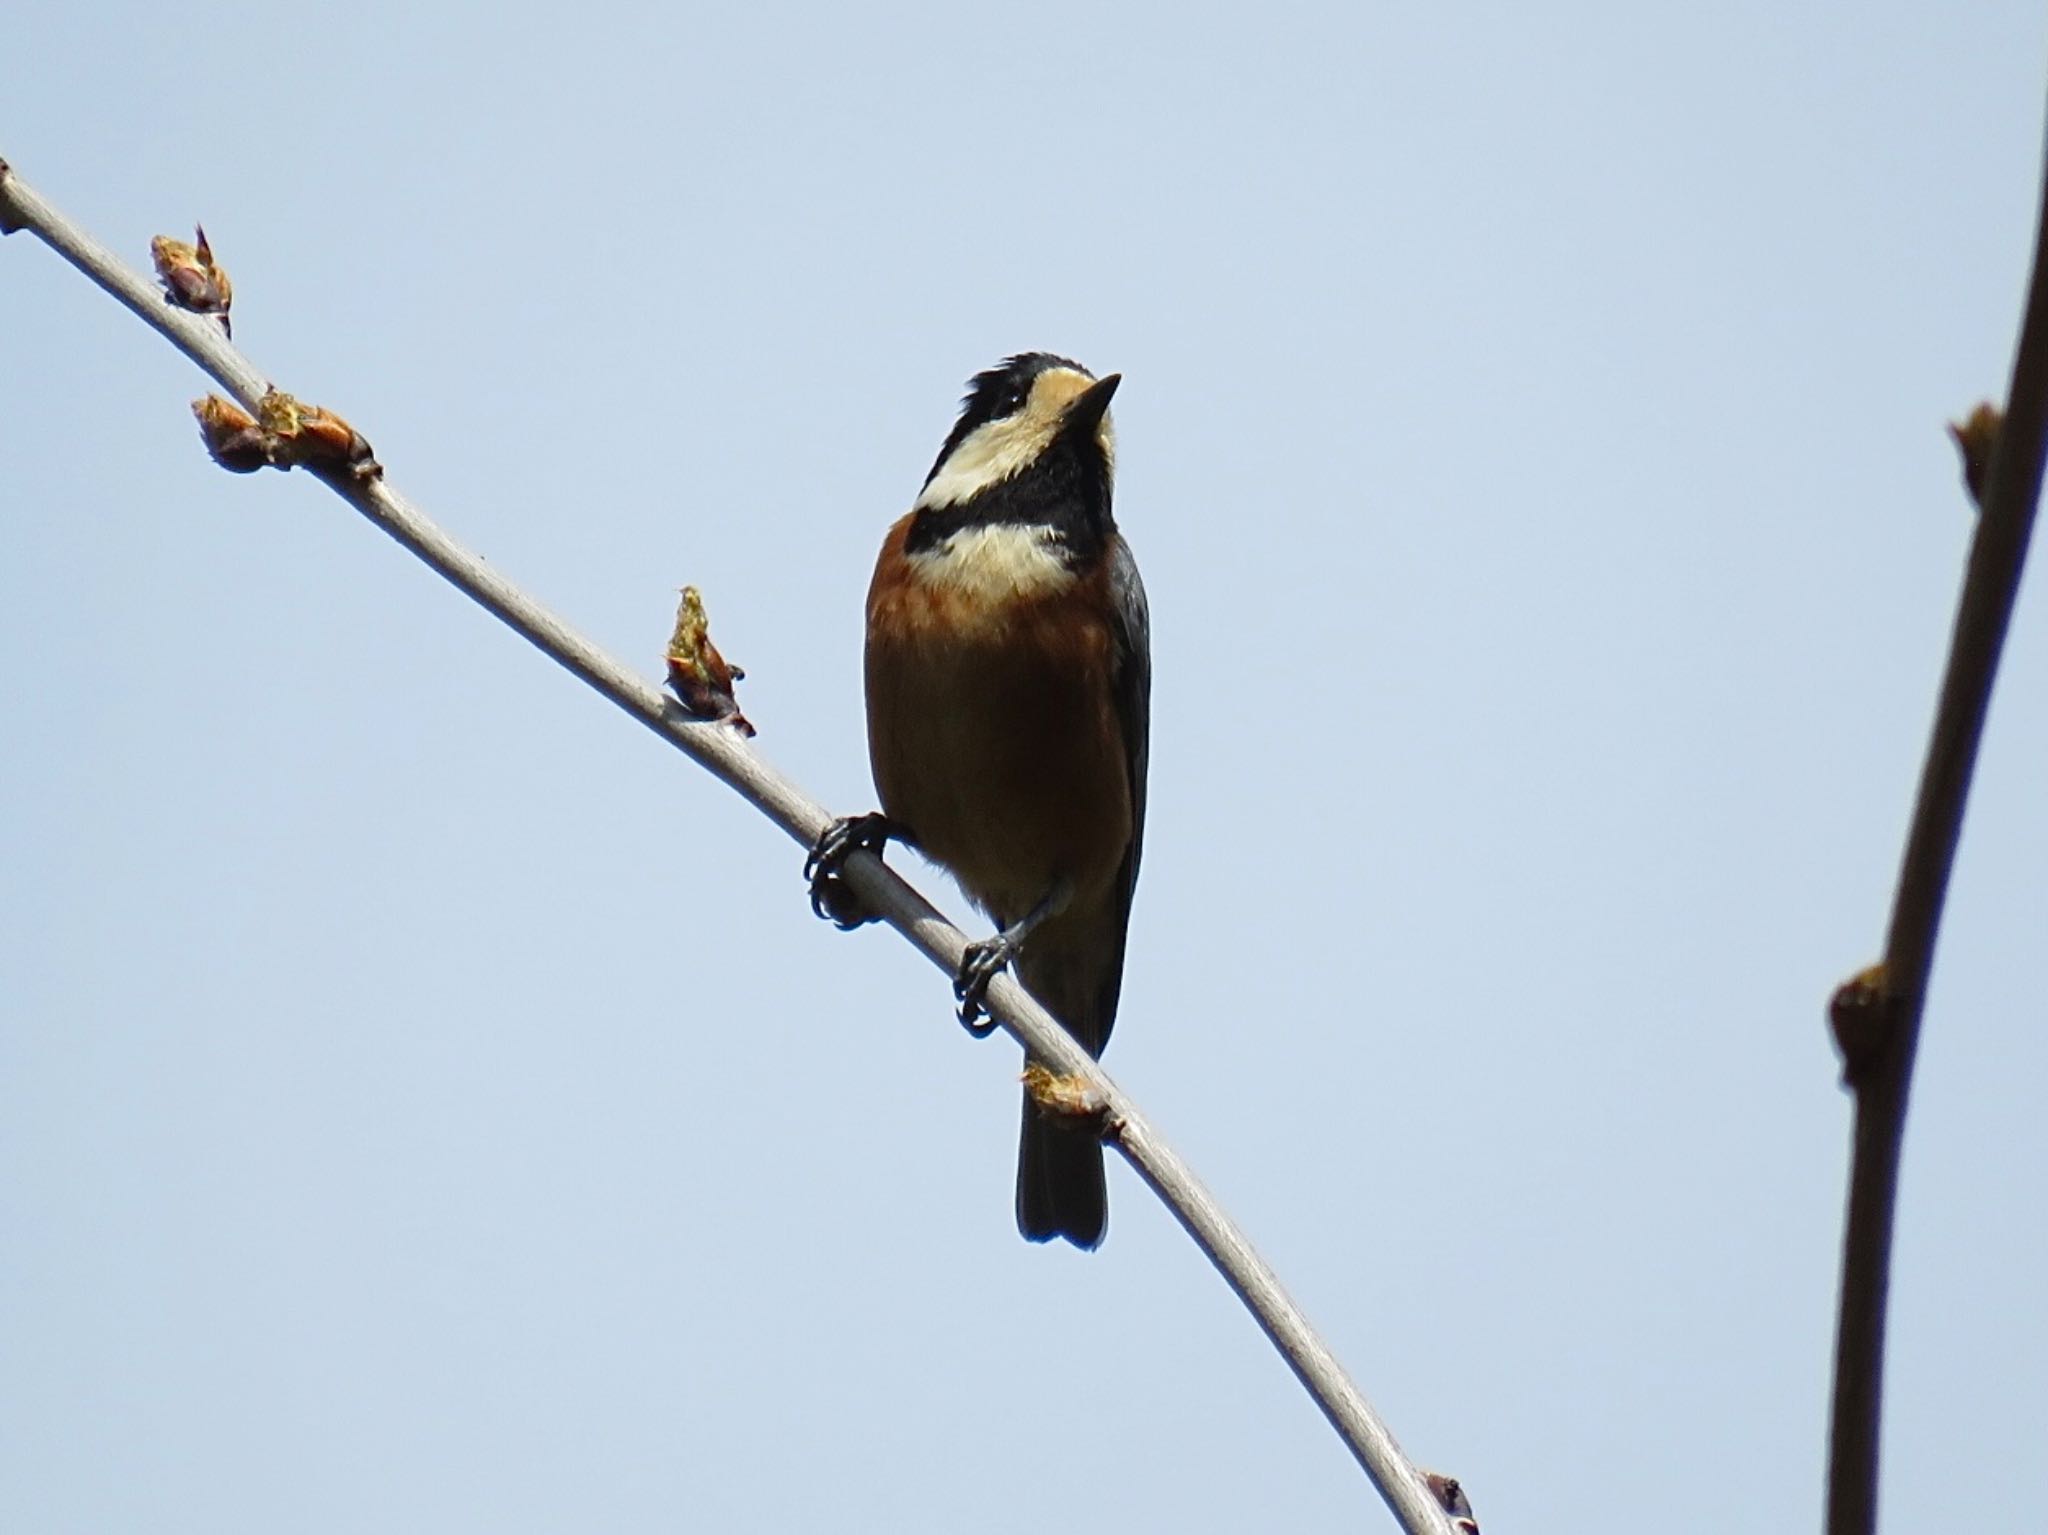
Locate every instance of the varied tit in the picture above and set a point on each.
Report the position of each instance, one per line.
(1009, 675)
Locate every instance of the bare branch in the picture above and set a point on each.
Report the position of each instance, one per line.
(728, 757)
(1877, 1014)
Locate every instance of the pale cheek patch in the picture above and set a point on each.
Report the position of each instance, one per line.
(990, 455)
(993, 453)
(994, 566)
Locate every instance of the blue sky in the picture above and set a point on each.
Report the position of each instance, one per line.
(428, 1103)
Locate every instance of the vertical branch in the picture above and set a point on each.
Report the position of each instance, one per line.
(1877, 1014)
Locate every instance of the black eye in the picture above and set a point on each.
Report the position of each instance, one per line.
(1008, 401)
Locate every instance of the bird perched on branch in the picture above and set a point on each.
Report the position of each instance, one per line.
(1008, 687)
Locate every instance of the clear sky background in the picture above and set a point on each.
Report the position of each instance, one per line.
(427, 1102)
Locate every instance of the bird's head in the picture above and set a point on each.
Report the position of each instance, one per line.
(1032, 417)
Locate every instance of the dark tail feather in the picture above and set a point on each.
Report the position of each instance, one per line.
(1060, 1188)
(1073, 965)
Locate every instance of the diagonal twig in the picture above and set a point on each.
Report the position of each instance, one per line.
(1878, 1014)
(730, 759)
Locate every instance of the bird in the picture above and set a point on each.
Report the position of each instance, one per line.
(1009, 675)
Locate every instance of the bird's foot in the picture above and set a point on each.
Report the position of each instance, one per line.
(831, 897)
(980, 965)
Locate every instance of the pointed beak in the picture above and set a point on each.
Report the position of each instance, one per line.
(1088, 407)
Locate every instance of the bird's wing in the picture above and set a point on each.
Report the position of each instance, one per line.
(1132, 682)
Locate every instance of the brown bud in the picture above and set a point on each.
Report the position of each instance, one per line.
(698, 675)
(1976, 439)
(192, 280)
(279, 412)
(1072, 1099)
(314, 436)
(1860, 1013)
(325, 440)
(1451, 1496)
(233, 437)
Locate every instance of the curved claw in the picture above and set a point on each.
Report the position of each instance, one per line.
(980, 965)
(831, 897)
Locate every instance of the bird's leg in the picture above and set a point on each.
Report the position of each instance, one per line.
(831, 897)
(986, 960)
